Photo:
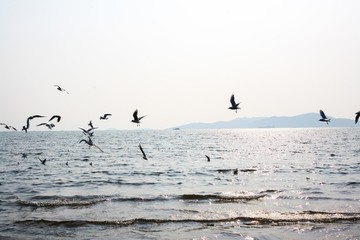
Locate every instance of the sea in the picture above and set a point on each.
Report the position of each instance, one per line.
(257, 184)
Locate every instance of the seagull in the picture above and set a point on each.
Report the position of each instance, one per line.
(67, 163)
(90, 124)
(88, 132)
(105, 117)
(90, 164)
(208, 158)
(42, 160)
(323, 117)
(49, 125)
(136, 118)
(25, 128)
(90, 143)
(30, 118)
(357, 117)
(234, 105)
(58, 118)
(8, 127)
(144, 155)
(60, 89)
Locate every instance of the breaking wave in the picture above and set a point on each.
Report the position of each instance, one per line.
(57, 201)
(274, 219)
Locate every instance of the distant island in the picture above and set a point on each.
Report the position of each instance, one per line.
(307, 120)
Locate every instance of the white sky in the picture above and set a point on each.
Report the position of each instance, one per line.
(177, 61)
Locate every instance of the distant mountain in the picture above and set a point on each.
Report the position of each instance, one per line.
(307, 120)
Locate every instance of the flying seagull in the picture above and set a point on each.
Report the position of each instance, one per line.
(208, 158)
(8, 127)
(234, 105)
(357, 117)
(90, 143)
(49, 125)
(88, 132)
(136, 118)
(25, 128)
(90, 124)
(60, 89)
(42, 160)
(144, 155)
(58, 118)
(106, 116)
(323, 117)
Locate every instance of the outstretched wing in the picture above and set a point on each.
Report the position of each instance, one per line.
(35, 116)
(142, 151)
(58, 118)
(232, 100)
(141, 117)
(135, 115)
(357, 117)
(322, 114)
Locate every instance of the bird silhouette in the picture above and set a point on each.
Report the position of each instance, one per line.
(106, 116)
(357, 117)
(143, 153)
(88, 132)
(42, 160)
(323, 117)
(208, 158)
(136, 118)
(90, 124)
(90, 143)
(58, 118)
(234, 105)
(26, 128)
(60, 89)
(49, 125)
(8, 127)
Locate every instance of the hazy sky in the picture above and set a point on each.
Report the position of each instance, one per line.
(177, 61)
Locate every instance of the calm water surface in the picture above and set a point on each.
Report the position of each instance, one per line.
(291, 184)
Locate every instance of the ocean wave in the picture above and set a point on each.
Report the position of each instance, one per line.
(55, 201)
(82, 201)
(319, 198)
(352, 184)
(219, 198)
(275, 219)
(142, 199)
(222, 197)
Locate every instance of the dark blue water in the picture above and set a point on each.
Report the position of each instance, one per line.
(290, 184)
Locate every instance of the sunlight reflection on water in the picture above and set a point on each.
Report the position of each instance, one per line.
(300, 181)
